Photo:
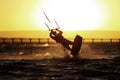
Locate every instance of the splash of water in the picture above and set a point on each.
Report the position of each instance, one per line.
(57, 51)
(88, 53)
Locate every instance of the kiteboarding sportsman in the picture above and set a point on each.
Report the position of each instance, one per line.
(56, 34)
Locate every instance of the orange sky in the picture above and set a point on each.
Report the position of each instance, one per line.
(90, 15)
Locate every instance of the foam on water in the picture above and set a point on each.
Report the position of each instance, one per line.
(58, 51)
(54, 51)
(47, 51)
(88, 53)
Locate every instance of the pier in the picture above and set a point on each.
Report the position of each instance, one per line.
(50, 41)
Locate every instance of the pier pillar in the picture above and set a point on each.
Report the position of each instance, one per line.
(93, 41)
(110, 40)
(48, 40)
(30, 40)
(21, 41)
(101, 40)
(39, 40)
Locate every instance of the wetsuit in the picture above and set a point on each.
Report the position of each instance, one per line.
(57, 36)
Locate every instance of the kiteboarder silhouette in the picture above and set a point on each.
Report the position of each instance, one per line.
(56, 34)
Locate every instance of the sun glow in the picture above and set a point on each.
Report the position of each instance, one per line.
(71, 14)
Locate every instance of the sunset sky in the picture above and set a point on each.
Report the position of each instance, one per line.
(70, 14)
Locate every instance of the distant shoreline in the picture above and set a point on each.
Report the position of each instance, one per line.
(67, 34)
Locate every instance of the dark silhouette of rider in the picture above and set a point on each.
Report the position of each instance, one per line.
(57, 36)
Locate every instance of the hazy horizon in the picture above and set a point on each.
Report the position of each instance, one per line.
(66, 34)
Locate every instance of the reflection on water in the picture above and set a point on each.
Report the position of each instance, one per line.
(54, 62)
(60, 69)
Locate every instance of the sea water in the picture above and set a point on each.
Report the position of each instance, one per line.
(54, 62)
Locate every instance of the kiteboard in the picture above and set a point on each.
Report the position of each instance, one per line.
(76, 45)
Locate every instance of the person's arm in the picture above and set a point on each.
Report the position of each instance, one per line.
(52, 35)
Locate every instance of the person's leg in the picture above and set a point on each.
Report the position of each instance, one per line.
(66, 43)
(66, 46)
